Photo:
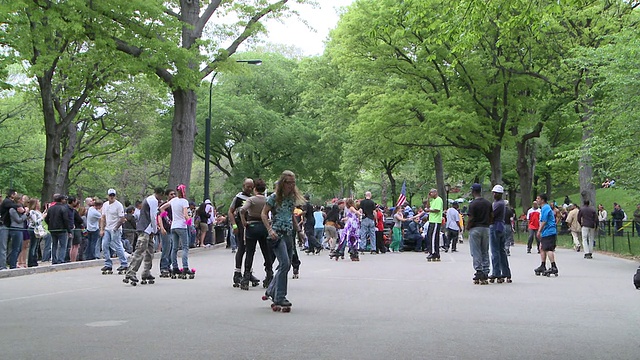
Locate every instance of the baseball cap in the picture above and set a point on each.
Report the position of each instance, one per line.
(111, 192)
(476, 187)
(498, 189)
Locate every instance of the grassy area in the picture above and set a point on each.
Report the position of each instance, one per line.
(627, 199)
(624, 245)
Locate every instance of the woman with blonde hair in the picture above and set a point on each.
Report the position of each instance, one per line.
(281, 229)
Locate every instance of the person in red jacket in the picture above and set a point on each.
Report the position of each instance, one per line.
(380, 248)
(533, 218)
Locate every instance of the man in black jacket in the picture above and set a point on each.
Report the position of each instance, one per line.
(5, 223)
(588, 219)
(60, 227)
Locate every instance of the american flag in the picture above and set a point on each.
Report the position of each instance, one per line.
(403, 194)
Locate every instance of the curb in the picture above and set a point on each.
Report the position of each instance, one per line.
(41, 269)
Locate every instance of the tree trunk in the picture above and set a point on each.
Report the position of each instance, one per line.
(439, 167)
(383, 189)
(53, 135)
(495, 161)
(547, 183)
(183, 132)
(525, 166)
(392, 183)
(585, 169)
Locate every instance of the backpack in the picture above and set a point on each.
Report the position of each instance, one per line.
(636, 279)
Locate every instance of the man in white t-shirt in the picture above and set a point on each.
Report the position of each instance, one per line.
(111, 232)
(210, 237)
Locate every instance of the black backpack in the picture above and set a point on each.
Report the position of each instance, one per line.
(636, 279)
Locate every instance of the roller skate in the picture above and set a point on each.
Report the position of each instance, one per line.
(188, 273)
(296, 273)
(148, 279)
(175, 273)
(540, 270)
(492, 279)
(479, 275)
(354, 256)
(267, 281)
(244, 283)
(122, 270)
(237, 278)
(165, 273)
(254, 280)
(266, 296)
(552, 271)
(106, 270)
(588, 256)
(130, 278)
(500, 280)
(508, 280)
(433, 257)
(284, 306)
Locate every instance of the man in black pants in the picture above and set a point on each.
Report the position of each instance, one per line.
(309, 223)
(238, 230)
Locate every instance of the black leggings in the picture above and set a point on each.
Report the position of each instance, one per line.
(257, 234)
(241, 245)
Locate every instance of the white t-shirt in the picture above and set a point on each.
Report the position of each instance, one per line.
(112, 213)
(177, 207)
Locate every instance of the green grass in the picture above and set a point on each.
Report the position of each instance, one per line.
(620, 244)
(626, 198)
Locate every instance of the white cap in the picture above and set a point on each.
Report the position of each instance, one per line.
(111, 192)
(498, 189)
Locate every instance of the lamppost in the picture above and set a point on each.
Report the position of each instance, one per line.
(447, 187)
(207, 131)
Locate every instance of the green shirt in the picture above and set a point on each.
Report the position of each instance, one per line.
(433, 216)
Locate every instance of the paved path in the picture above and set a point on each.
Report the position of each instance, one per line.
(392, 306)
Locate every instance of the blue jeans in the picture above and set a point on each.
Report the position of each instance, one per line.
(32, 256)
(499, 261)
(180, 236)
(4, 238)
(319, 233)
(479, 248)
(90, 251)
(112, 239)
(192, 236)
(16, 237)
(46, 252)
(283, 251)
(367, 228)
(165, 256)
(59, 241)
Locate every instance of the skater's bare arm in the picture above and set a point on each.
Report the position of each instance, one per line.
(265, 220)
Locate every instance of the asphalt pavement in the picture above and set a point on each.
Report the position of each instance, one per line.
(387, 306)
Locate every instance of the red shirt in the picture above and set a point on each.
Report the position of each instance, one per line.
(534, 220)
(379, 220)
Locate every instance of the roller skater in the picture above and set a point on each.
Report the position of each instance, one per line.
(434, 207)
(478, 228)
(351, 234)
(111, 231)
(547, 234)
(130, 278)
(588, 219)
(146, 227)
(179, 228)
(235, 222)
(497, 239)
(106, 270)
(281, 230)
(254, 233)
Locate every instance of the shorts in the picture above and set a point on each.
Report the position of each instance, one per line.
(204, 227)
(548, 243)
(77, 237)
